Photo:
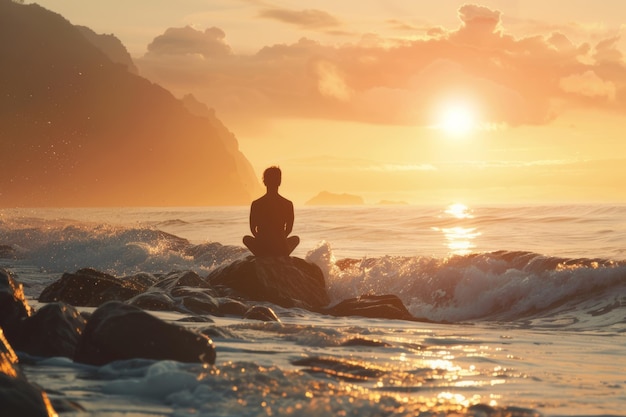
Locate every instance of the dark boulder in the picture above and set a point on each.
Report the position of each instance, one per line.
(54, 330)
(117, 331)
(13, 306)
(7, 252)
(18, 397)
(89, 288)
(153, 300)
(196, 319)
(179, 279)
(142, 280)
(196, 301)
(261, 313)
(372, 306)
(231, 307)
(285, 281)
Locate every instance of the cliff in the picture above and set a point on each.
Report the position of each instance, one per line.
(78, 128)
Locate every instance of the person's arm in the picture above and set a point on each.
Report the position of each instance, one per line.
(289, 219)
(254, 221)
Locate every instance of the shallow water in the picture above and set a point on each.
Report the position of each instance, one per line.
(531, 300)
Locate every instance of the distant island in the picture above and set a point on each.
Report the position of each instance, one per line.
(79, 127)
(326, 198)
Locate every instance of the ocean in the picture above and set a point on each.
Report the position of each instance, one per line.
(527, 311)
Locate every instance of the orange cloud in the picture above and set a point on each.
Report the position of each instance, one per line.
(187, 40)
(514, 80)
(588, 84)
(309, 19)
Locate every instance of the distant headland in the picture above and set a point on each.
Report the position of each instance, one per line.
(326, 198)
(79, 127)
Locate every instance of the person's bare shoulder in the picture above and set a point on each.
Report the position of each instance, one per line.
(285, 202)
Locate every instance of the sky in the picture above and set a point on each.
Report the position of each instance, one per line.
(501, 101)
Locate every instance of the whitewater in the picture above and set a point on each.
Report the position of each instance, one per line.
(523, 308)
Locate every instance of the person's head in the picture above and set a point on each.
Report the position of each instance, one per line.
(272, 177)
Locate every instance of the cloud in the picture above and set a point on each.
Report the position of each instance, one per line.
(306, 19)
(607, 52)
(331, 82)
(588, 84)
(400, 25)
(187, 40)
(479, 19)
(512, 80)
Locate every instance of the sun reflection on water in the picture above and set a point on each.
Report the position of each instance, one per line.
(459, 210)
(459, 238)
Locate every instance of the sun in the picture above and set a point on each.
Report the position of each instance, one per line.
(456, 119)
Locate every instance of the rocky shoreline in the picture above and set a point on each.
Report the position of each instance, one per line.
(122, 328)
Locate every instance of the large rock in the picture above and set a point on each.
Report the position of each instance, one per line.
(179, 279)
(261, 313)
(153, 300)
(285, 281)
(118, 331)
(372, 306)
(196, 300)
(17, 396)
(7, 252)
(13, 306)
(54, 330)
(90, 288)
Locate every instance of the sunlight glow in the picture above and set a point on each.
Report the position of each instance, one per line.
(456, 119)
(459, 238)
(459, 210)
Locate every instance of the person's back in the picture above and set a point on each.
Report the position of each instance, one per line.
(271, 220)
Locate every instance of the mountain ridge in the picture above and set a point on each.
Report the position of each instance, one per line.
(78, 129)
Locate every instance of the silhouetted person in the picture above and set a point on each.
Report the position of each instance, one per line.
(271, 220)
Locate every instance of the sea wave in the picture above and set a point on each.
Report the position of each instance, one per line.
(520, 287)
(503, 285)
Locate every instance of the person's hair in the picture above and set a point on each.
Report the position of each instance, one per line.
(272, 176)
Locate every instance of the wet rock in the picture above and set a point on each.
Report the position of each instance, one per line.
(7, 252)
(13, 306)
(195, 300)
(196, 319)
(261, 313)
(141, 280)
(182, 292)
(340, 368)
(118, 331)
(181, 279)
(220, 333)
(90, 288)
(372, 306)
(153, 300)
(231, 307)
(54, 330)
(285, 281)
(18, 397)
(200, 303)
